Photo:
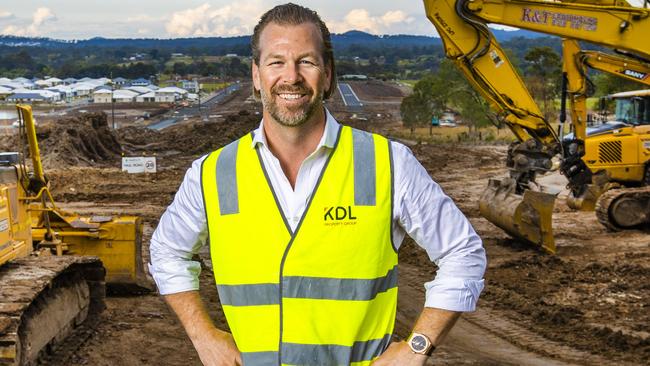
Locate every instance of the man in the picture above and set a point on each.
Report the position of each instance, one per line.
(304, 219)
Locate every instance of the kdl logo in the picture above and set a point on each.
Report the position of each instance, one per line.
(339, 213)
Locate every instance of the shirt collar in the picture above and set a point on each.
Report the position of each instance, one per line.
(327, 140)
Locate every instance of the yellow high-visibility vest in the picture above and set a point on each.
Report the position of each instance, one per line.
(325, 294)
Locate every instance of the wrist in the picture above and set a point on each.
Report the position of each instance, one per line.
(420, 344)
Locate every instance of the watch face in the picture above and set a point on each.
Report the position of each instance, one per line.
(418, 343)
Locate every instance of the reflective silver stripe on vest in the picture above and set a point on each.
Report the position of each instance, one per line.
(330, 354)
(364, 168)
(338, 288)
(248, 295)
(227, 179)
(307, 288)
(259, 358)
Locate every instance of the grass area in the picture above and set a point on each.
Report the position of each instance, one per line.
(210, 87)
(410, 83)
(454, 134)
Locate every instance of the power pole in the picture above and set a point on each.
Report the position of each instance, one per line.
(112, 100)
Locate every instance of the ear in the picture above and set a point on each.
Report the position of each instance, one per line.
(256, 76)
(328, 78)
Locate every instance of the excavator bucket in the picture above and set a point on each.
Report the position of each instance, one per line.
(587, 200)
(526, 217)
(116, 240)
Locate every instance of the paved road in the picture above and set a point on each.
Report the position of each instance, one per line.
(349, 97)
(192, 111)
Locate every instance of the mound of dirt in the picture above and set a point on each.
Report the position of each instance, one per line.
(85, 140)
(189, 138)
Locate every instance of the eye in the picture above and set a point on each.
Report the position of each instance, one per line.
(273, 63)
(307, 62)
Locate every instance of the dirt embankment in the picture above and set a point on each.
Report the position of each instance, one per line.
(85, 140)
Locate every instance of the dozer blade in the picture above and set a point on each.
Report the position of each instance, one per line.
(116, 240)
(526, 217)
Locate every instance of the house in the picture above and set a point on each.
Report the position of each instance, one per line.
(26, 97)
(190, 85)
(69, 81)
(65, 91)
(124, 96)
(120, 81)
(140, 82)
(44, 96)
(102, 96)
(140, 89)
(82, 89)
(149, 97)
(170, 94)
(119, 96)
(53, 81)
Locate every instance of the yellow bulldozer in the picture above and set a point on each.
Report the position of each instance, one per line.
(54, 265)
(518, 203)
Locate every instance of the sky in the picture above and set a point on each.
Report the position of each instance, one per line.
(82, 19)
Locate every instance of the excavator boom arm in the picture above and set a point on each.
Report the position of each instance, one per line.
(614, 24)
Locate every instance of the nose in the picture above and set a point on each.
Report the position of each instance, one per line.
(291, 73)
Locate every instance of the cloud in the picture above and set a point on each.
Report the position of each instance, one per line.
(39, 18)
(236, 18)
(142, 18)
(5, 15)
(360, 19)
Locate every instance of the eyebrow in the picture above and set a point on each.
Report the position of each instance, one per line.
(301, 56)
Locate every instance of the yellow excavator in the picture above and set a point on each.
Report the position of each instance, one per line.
(518, 204)
(614, 151)
(54, 265)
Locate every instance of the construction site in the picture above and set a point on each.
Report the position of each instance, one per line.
(562, 206)
(587, 304)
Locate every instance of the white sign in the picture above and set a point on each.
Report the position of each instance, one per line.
(149, 164)
(646, 144)
(139, 164)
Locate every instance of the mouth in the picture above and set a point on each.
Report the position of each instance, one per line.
(292, 97)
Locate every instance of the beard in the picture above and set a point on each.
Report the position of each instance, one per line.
(293, 116)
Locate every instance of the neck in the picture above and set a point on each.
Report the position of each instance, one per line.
(292, 145)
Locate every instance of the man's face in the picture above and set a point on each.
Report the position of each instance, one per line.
(292, 74)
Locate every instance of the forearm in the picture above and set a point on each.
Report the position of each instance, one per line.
(191, 312)
(436, 323)
(214, 346)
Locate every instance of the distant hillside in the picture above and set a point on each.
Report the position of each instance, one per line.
(227, 44)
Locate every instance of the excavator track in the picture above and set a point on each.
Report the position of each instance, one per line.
(621, 209)
(43, 300)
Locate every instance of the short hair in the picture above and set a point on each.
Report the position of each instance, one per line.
(292, 14)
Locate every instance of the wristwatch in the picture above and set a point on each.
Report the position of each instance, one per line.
(420, 344)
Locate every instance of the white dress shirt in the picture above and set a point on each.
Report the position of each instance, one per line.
(421, 210)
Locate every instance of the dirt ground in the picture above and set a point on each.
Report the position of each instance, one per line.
(589, 304)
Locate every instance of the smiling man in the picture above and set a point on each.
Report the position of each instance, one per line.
(304, 218)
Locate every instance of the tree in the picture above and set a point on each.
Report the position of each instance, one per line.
(543, 78)
(428, 100)
(465, 99)
(414, 111)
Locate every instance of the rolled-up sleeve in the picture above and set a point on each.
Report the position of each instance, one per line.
(181, 232)
(431, 218)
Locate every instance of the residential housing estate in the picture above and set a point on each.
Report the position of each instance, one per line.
(100, 90)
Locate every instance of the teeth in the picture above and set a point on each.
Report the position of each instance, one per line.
(290, 96)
